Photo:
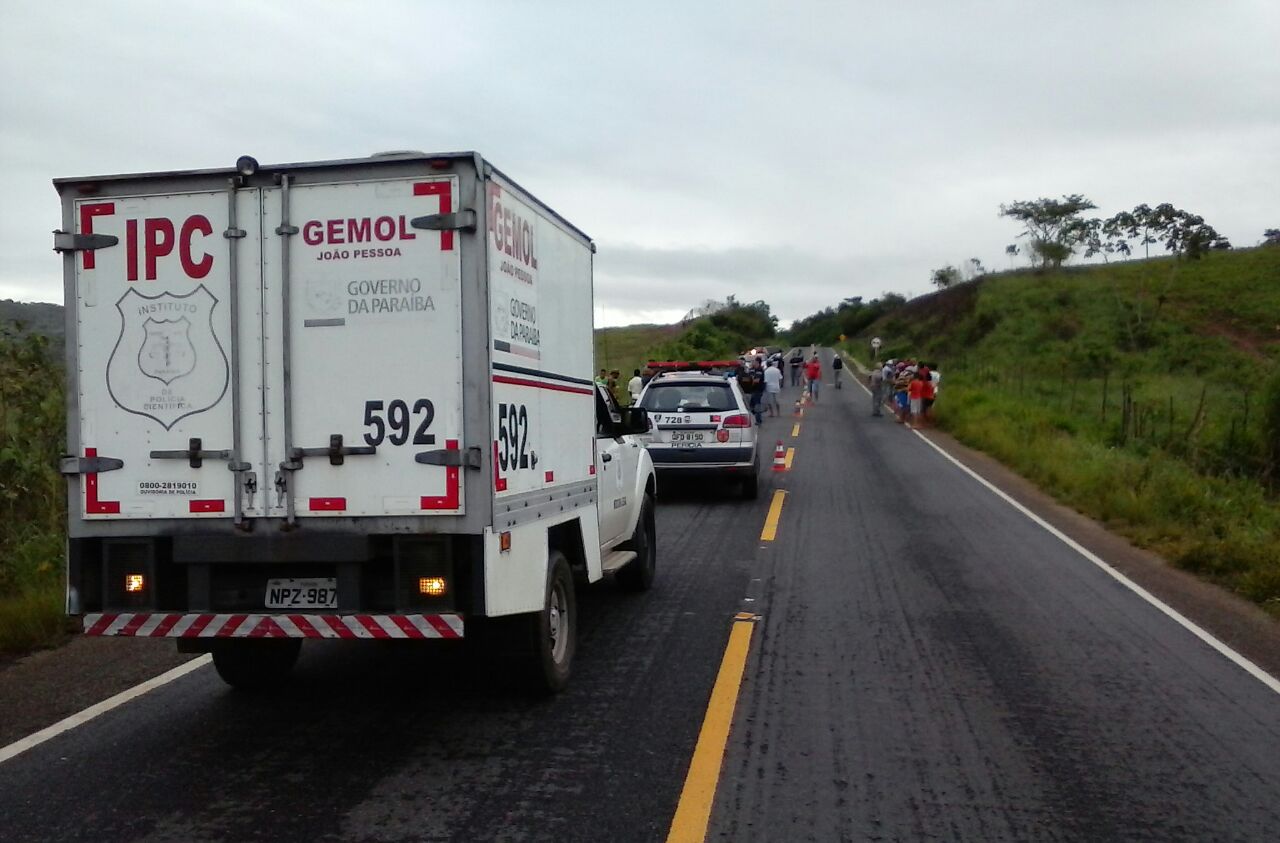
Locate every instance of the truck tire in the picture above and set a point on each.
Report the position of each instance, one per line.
(255, 665)
(550, 636)
(639, 572)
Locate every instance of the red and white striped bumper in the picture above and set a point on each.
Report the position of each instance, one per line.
(178, 625)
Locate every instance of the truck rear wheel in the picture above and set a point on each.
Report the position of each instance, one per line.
(550, 636)
(256, 665)
(639, 573)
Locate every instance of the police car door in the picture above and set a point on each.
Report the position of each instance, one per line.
(363, 340)
(611, 470)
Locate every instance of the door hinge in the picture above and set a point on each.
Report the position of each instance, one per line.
(65, 241)
(466, 457)
(195, 455)
(464, 220)
(88, 465)
(336, 452)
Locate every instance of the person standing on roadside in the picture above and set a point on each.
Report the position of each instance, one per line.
(773, 386)
(751, 381)
(612, 385)
(813, 371)
(915, 395)
(797, 363)
(837, 367)
(926, 396)
(635, 386)
(876, 381)
(887, 373)
(901, 381)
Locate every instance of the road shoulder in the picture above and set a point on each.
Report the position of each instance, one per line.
(42, 688)
(1235, 621)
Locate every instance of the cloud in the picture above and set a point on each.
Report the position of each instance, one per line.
(795, 158)
(793, 282)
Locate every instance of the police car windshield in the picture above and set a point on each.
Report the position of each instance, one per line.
(689, 398)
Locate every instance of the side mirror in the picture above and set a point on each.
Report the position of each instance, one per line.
(635, 420)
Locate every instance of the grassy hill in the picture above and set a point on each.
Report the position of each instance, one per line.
(34, 317)
(725, 333)
(628, 347)
(1145, 394)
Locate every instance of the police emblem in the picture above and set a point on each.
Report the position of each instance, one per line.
(167, 363)
(167, 354)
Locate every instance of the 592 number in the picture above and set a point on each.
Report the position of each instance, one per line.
(513, 436)
(396, 423)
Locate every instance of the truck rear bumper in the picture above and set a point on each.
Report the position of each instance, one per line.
(209, 625)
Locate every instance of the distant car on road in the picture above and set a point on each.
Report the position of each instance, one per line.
(702, 426)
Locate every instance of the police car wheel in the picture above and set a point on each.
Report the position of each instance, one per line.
(639, 573)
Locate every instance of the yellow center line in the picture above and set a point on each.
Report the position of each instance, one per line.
(791, 454)
(795, 430)
(775, 512)
(693, 813)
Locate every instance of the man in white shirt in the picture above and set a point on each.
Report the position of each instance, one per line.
(772, 386)
(634, 386)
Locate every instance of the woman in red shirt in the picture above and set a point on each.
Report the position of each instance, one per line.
(915, 394)
(926, 395)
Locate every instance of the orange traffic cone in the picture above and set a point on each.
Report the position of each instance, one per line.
(779, 457)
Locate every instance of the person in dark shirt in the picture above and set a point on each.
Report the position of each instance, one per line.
(797, 363)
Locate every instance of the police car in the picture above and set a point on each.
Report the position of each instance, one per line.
(702, 425)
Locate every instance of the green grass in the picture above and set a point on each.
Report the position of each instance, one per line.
(32, 493)
(1137, 393)
(32, 619)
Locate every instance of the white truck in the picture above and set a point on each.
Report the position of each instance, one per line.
(339, 400)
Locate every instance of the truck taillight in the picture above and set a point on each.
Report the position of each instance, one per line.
(432, 586)
(739, 420)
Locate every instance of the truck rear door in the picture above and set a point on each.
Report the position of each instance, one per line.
(363, 348)
(306, 337)
(155, 356)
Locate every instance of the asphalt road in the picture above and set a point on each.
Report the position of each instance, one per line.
(927, 664)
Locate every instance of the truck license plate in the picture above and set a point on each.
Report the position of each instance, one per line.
(320, 593)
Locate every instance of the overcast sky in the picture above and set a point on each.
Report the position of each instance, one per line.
(794, 152)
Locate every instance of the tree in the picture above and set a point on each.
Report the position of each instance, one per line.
(1012, 251)
(977, 267)
(1186, 234)
(1271, 237)
(1053, 226)
(945, 277)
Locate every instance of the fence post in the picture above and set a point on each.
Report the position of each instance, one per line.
(1106, 377)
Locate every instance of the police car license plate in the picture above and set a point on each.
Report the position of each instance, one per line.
(687, 438)
(318, 593)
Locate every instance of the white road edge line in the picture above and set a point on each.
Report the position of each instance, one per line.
(80, 718)
(1205, 636)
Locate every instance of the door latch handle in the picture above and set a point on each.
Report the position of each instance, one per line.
(336, 452)
(250, 486)
(606, 458)
(282, 487)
